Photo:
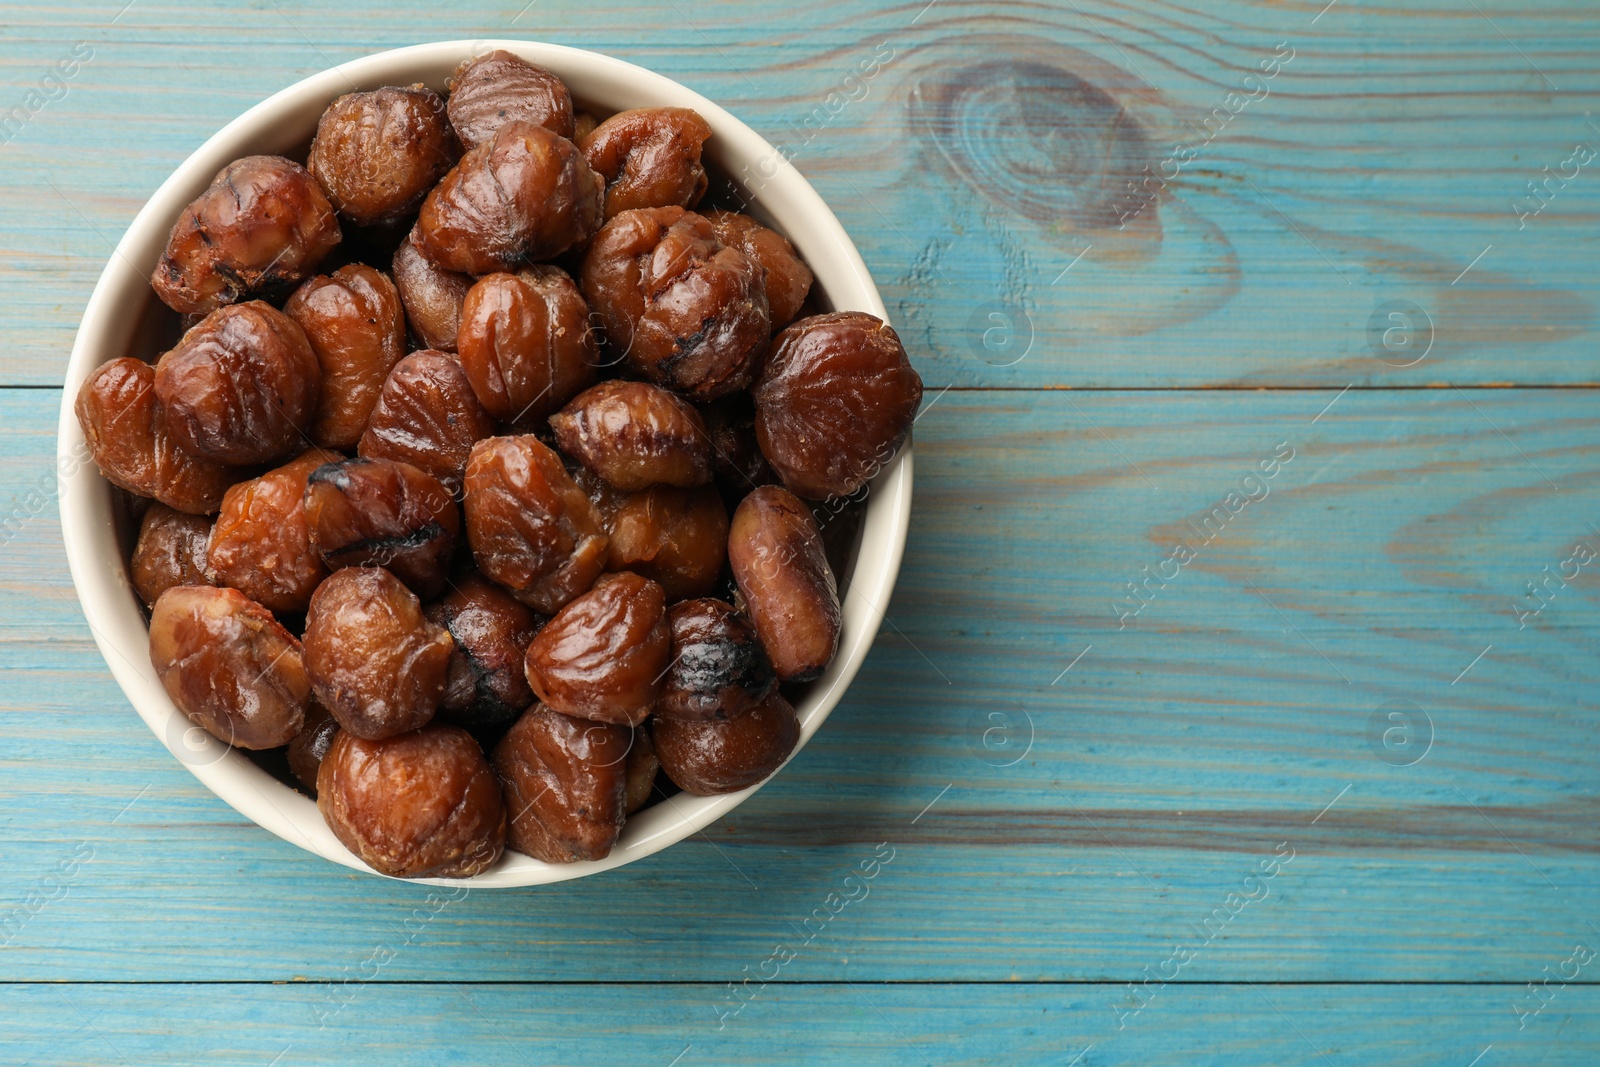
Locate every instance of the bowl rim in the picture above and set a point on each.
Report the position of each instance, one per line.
(99, 573)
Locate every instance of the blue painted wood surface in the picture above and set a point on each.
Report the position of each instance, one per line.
(1074, 775)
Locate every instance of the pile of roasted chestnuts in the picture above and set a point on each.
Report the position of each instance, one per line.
(506, 523)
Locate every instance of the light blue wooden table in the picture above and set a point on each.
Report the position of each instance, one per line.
(1321, 791)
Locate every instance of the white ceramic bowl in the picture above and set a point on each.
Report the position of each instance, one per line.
(284, 124)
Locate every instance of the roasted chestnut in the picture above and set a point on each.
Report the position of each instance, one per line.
(376, 154)
(725, 755)
(428, 416)
(776, 554)
(171, 550)
(432, 295)
(311, 744)
(524, 195)
(261, 544)
(604, 655)
(635, 435)
(565, 785)
(649, 157)
(719, 670)
(684, 310)
(229, 665)
(490, 90)
(487, 682)
(525, 343)
(357, 328)
(834, 403)
(259, 230)
(384, 513)
(641, 770)
(425, 804)
(677, 538)
(788, 280)
(531, 528)
(241, 387)
(375, 662)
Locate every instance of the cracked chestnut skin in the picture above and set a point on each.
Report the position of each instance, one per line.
(428, 416)
(259, 230)
(684, 310)
(357, 329)
(523, 196)
(725, 755)
(432, 296)
(490, 90)
(788, 280)
(384, 513)
(424, 804)
(641, 770)
(171, 550)
(635, 435)
(565, 782)
(604, 655)
(525, 343)
(261, 544)
(778, 561)
(376, 154)
(835, 402)
(126, 430)
(677, 538)
(229, 665)
(375, 662)
(532, 529)
(311, 745)
(492, 631)
(649, 157)
(719, 669)
(241, 387)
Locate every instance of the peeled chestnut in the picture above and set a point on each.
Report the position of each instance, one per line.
(677, 538)
(649, 157)
(635, 435)
(565, 785)
(432, 295)
(525, 343)
(531, 528)
(490, 90)
(788, 281)
(311, 745)
(229, 665)
(171, 550)
(684, 310)
(719, 670)
(776, 553)
(357, 328)
(126, 430)
(492, 631)
(384, 513)
(261, 544)
(522, 196)
(241, 387)
(428, 416)
(604, 655)
(375, 662)
(425, 804)
(376, 154)
(834, 403)
(725, 755)
(259, 230)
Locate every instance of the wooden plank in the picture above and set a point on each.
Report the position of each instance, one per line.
(1025, 1026)
(1379, 165)
(1173, 757)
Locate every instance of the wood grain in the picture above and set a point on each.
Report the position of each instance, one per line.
(991, 148)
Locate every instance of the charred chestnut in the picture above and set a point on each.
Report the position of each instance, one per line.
(261, 544)
(492, 631)
(383, 513)
(719, 670)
